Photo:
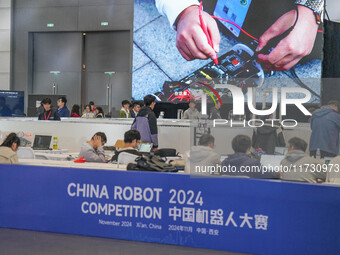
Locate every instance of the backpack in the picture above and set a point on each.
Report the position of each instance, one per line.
(151, 163)
(166, 152)
(115, 156)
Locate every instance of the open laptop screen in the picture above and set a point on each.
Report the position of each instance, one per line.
(42, 142)
(144, 147)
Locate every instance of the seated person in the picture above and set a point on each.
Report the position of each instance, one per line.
(298, 166)
(75, 111)
(49, 113)
(241, 164)
(128, 154)
(93, 150)
(8, 149)
(99, 112)
(88, 113)
(201, 157)
(191, 113)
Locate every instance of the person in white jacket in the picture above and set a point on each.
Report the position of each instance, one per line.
(201, 159)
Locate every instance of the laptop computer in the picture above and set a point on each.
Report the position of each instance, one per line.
(144, 147)
(271, 160)
(223, 157)
(42, 142)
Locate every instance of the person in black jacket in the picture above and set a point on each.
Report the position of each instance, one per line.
(215, 111)
(146, 121)
(267, 137)
(242, 164)
(48, 113)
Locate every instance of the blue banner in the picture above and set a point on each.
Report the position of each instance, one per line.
(241, 215)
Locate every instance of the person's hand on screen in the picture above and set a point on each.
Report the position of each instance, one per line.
(191, 41)
(296, 45)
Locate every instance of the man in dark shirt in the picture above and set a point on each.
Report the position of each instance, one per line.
(136, 106)
(215, 111)
(48, 113)
(63, 111)
(241, 164)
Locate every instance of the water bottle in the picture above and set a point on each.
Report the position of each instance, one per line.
(179, 114)
(55, 143)
(161, 115)
(318, 154)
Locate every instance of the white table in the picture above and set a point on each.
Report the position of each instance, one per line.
(71, 164)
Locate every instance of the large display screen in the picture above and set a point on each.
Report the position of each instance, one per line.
(169, 35)
(11, 103)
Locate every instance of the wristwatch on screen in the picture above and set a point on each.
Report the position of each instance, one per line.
(316, 6)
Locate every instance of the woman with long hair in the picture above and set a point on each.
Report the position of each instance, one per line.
(8, 149)
(75, 112)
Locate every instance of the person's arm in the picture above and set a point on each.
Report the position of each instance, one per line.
(153, 123)
(186, 115)
(191, 41)
(297, 44)
(336, 119)
(216, 161)
(172, 8)
(95, 155)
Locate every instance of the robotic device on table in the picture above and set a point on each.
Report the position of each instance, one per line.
(237, 67)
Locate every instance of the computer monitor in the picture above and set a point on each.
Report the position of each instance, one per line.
(11, 103)
(144, 147)
(281, 150)
(34, 102)
(42, 142)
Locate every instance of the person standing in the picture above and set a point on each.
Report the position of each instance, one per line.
(49, 113)
(146, 121)
(63, 111)
(136, 106)
(215, 111)
(93, 108)
(268, 136)
(125, 110)
(191, 113)
(325, 125)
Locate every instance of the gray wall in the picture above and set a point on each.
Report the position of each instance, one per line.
(5, 45)
(67, 16)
